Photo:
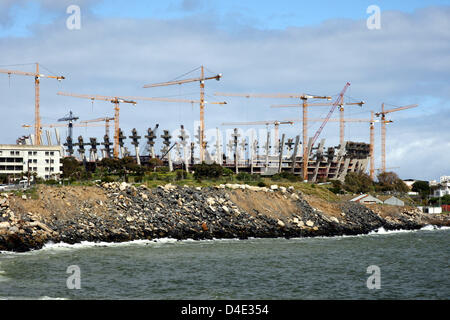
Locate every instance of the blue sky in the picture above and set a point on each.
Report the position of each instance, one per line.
(259, 46)
(258, 14)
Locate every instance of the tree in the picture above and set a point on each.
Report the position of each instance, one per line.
(204, 170)
(70, 166)
(389, 181)
(422, 187)
(358, 182)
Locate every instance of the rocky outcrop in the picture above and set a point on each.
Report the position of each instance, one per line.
(115, 212)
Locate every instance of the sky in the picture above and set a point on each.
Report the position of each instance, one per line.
(259, 46)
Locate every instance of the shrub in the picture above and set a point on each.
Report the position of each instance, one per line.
(227, 172)
(51, 182)
(261, 184)
(180, 174)
(247, 177)
(336, 187)
(285, 176)
(162, 169)
(108, 179)
(358, 182)
(212, 171)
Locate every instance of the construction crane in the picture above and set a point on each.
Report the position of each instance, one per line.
(116, 101)
(371, 121)
(202, 102)
(70, 118)
(383, 114)
(275, 123)
(303, 97)
(59, 125)
(37, 76)
(105, 119)
(335, 104)
(341, 112)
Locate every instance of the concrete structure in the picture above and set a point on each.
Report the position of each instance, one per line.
(366, 199)
(431, 210)
(393, 201)
(45, 161)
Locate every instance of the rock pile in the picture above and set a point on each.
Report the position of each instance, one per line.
(126, 212)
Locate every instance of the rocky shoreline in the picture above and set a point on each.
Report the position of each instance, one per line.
(117, 212)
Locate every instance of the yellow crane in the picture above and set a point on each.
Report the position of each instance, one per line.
(37, 76)
(383, 114)
(202, 101)
(303, 97)
(60, 125)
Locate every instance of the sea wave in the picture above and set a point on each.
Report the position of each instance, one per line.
(429, 227)
(62, 246)
(30, 298)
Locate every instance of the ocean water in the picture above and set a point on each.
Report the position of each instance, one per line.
(412, 265)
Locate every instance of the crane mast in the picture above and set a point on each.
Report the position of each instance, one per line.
(37, 76)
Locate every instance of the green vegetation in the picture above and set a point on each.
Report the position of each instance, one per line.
(443, 200)
(207, 171)
(358, 183)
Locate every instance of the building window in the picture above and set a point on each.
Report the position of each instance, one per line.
(46, 177)
(34, 169)
(46, 168)
(46, 161)
(11, 153)
(46, 153)
(17, 153)
(30, 153)
(34, 153)
(52, 153)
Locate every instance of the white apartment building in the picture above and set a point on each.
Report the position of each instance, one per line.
(444, 187)
(44, 160)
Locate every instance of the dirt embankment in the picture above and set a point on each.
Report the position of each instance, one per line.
(116, 212)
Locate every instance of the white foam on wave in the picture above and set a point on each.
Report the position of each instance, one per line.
(428, 227)
(89, 244)
(62, 246)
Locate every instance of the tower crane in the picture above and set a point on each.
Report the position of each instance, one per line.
(303, 97)
(59, 125)
(37, 76)
(202, 101)
(383, 114)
